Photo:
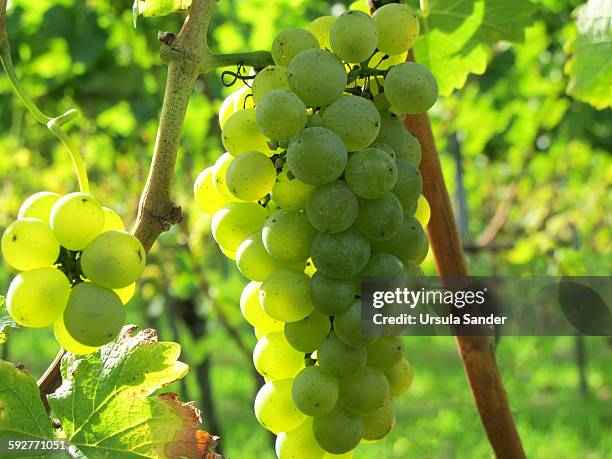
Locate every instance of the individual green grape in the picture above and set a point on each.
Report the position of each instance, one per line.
(422, 251)
(321, 29)
(393, 133)
(316, 156)
(250, 176)
(360, 5)
(411, 88)
(386, 148)
(290, 194)
(299, 443)
(398, 28)
(285, 295)
(412, 149)
(315, 120)
(114, 259)
(275, 358)
(406, 244)
(317, 76)
(229, 254)
(112, 221)
(29, 244)
(289, 43)
(340, 255)
(412, 268)
(381, 218)
(376, 426)
(76, 219)
(219, 176)
(236, 221)
(348, 455)
(314, 392)
(371, 173)
(271, 78)
(332, 207)
(400, 378)
(365, 392)
(37, 298)
(227, 108)
(94, 315)
(67, 342)
(288, 235)
(338, 431)
(126, 294)
(386, 352)
(340, 360)
(423, 212)
(274, 407)
(281, 115)
(353, 36)
(381, 102)
(347, 327)
(38, 206)
(253, 261)
(206, 195)
(253, 312)
(241, 134)
(409, 184)
(355, 119)
(384, 265)
(331, 296)
(305, 335)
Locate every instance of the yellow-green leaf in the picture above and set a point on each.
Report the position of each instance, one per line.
(107, 409)
(590, 64)
(457, 35)
(22, 413)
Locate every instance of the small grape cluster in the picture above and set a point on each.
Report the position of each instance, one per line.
(320, 187)
(79, 268)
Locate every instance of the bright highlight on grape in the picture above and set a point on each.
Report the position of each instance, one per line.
(319, 188)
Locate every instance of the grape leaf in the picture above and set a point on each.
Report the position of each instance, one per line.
(590, 65)
(456, 36)
(5, 321)
(106, 407)
(22, 413)
(148, 8)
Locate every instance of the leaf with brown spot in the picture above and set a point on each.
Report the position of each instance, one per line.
(107, 409)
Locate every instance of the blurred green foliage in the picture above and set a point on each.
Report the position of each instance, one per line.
(521, 143)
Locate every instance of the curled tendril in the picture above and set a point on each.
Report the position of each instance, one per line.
(237, 75)
(246, 98)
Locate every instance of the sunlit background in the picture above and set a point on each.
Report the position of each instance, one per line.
(528, 167)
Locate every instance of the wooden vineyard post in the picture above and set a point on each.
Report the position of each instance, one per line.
(477, 352)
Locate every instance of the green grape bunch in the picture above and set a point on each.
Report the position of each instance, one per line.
(78, 268)
(320, 187)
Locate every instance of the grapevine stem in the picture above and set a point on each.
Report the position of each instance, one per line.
(156, 212)
(53, 124)
(424, 5)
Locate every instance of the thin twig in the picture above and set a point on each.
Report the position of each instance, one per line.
(500, 216)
